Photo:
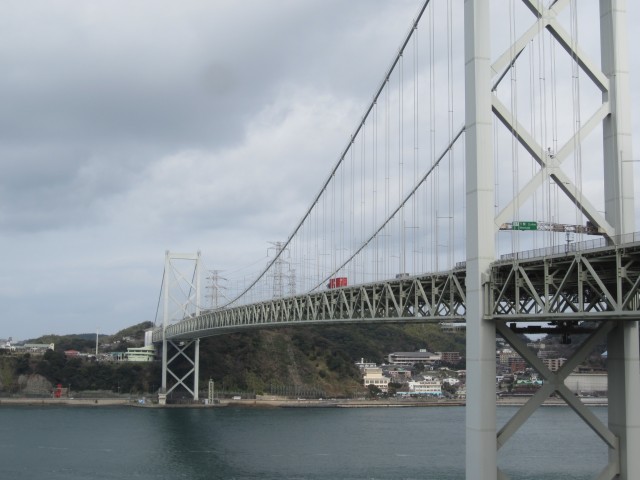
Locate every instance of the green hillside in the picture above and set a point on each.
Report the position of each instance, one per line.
(312, 357)
(302, 359)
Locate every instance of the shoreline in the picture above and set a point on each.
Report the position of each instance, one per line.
(68, 402)
(281, 403)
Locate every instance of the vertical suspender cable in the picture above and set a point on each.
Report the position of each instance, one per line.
(451, 239)
(577, 146)
(515, 243)
(401, 231)
(532, 127)
(387, 180)
(432, 121)
(414, 227)
(363, 200)
(553, 202)
(374, 192)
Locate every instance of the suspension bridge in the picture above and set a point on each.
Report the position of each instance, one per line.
(490, 181)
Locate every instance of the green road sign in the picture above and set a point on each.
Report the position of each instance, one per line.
(525, 225)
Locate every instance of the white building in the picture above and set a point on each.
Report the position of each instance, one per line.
(587, 383)
(409, 359)
(554, 364)
(362, 364)
(374, 376)
(142, 354)
(36, 348)
(426, 387)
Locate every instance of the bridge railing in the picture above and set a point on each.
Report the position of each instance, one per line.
(586, 245)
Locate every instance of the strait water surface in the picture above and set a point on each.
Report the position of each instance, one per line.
(296, 443)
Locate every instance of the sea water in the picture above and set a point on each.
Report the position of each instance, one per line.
(285, 443)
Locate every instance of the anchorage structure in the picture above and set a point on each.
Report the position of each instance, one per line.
(623, 433)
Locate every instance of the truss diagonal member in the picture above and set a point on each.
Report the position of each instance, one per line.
(426, 308)
(531, 288)
(496, 84)
(347, 305)
(547, 18)
(180, 351)
(520, 347)
(580, 200)
(546, 162)
(574, 402)
(365, 300)
(586, 128)
(501, 475)
(329, 307)
(180, 381)
(376, 301)
(598, 336)
(544, 16)
(538, 9)
(588, 417)
(440, 296)
(540, 396)
(564, 280)
(501, 294)
(521, 416)
(632, 294)
(610, 298)
(587, 66)
(298, 308)
(610, 471)
(519, 131)
(312, 311)
(556, 381)
(536, 151)
(459, 289)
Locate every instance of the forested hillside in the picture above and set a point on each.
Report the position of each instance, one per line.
(307, 359)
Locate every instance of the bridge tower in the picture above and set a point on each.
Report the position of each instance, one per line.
(181, 295)
(623, 433)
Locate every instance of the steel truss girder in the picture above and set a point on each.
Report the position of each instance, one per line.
(586, 285)
(436, 297)
(598, 284)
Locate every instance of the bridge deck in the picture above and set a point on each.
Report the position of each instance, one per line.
(602, 282)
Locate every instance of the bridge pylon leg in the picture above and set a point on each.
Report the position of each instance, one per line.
(481, 449)
(623, 344)
(179, 373)
(196, 368)
(623, 364)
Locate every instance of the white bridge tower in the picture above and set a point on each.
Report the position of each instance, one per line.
(622, 435)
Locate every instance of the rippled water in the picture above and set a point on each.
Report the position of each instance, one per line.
(301, 444)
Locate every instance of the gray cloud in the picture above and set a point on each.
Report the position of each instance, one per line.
(129, 128)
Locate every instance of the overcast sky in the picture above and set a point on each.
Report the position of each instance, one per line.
(128, 128)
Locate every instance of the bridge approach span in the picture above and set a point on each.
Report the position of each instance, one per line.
(572, 283)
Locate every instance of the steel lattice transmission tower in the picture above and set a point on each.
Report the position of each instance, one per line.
(280, 277)
(215, 288)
